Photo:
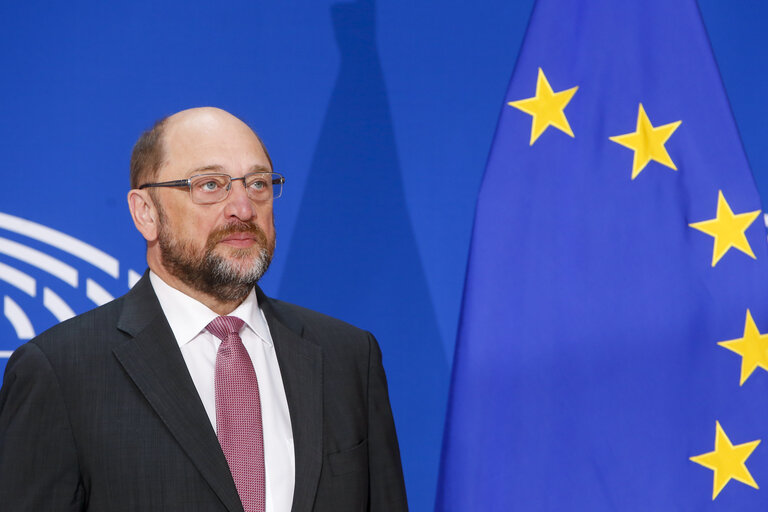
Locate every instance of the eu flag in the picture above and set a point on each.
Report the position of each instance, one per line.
(613, 346)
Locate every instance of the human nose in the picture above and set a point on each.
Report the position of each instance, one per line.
(238, 204)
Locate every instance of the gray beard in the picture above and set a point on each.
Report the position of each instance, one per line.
(225, 280)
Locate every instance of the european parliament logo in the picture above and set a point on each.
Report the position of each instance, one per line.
(47, 276)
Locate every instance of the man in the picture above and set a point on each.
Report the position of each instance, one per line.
(195, 391)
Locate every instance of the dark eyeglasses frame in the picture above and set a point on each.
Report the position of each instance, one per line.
(280, 180)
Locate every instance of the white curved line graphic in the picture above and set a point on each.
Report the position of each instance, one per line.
(56, 305)
(133, 277)
(40, 260)
(96, 293)
(5, 354)
(19, 279)
(18, 318)
(62, 241)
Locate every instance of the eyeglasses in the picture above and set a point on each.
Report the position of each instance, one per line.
(214, 187)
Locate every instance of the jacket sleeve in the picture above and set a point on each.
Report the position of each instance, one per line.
(38, 458)
(387, 487)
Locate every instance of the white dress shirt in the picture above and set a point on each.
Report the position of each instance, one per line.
(188, 319)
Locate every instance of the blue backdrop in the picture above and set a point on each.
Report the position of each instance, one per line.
(379, 114)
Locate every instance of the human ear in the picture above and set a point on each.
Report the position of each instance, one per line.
(144, 214)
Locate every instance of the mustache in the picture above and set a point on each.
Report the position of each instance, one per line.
(237, 228)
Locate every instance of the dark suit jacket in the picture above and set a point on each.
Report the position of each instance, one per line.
(100, 413)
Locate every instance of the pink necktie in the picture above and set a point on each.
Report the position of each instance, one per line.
(238, 413)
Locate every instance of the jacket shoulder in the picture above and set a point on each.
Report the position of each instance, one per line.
(81, 331)
(300, 317)
(338, 338)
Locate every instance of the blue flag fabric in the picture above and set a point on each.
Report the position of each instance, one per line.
(612, 352)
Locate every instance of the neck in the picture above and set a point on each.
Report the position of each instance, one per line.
(215, 304)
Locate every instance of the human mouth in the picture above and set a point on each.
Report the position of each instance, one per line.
(239, 240)
(237, 236)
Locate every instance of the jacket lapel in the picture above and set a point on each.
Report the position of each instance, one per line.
(153, 360)
(300, 363)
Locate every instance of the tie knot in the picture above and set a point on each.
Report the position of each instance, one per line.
(223, 326)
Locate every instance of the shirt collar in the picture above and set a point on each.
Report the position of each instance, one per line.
(188, 317)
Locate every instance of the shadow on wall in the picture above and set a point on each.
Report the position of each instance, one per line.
(353, 253)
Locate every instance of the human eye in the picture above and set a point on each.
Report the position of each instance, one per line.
(258, 184)
(208, 184)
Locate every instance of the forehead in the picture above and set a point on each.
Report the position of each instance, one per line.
(210, 141)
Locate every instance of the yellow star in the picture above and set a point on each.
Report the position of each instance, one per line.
(648, 142)
(727, 461)
(546, 108)
(727, 229)
(752, 347)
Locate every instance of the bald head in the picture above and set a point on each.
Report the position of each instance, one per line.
(150, 151)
